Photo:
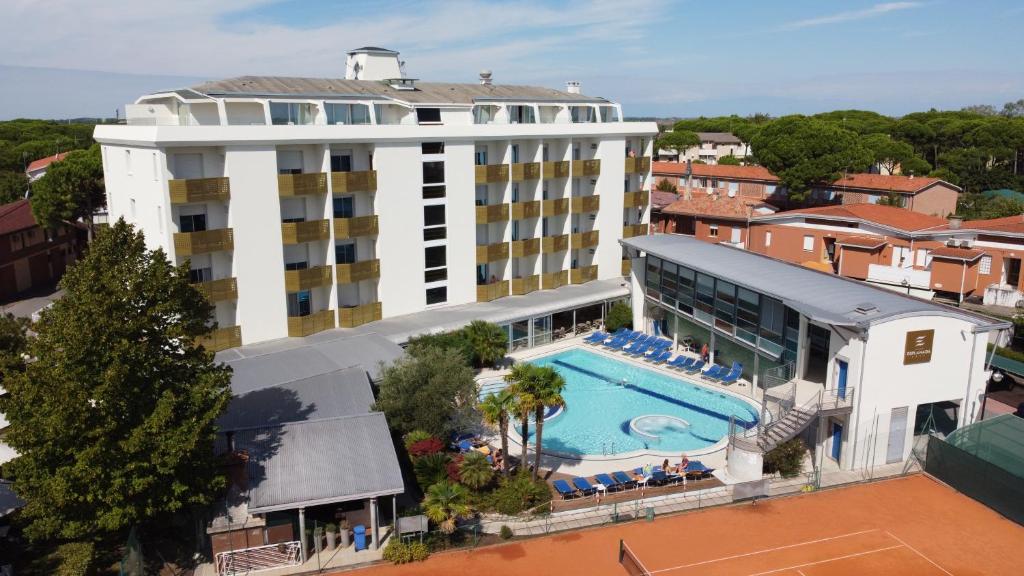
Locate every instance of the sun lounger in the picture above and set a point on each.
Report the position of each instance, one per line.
(633, 344)
(609, 482)
(636, 335)
(637, 350)
(682, 362)
(660, 357)
(624, 480)
(585, 487)
(563, 489)
(733, 375)
(695, 470)
(695, 367)
(616, 343)
(713, 373)
(596, 338)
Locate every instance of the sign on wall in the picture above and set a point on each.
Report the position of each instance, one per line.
(918, 349)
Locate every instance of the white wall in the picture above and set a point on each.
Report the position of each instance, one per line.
(145, 188)
(400, 242)
(460, 176)
(610, 187)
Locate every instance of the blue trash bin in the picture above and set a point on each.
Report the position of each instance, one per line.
(360, 537)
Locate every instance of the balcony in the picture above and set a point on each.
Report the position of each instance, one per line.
(352, 316)
(909, 277)
(299, 326)
(492, 213)
(637, 199)
(553, 280)
(219, 290)
(627, 266)
(638, 165)
(630, 230)
(199, 190)
(585, 239)
(296, 280)
(491, 253)
(356, 227)
(581, 168)
(525, 171)
(292, 185)
(552, 244)
(583, 275)
(525, 285)
(583, 204)
(357, 271)
(556, 207)
(523, 248)
(493, 291)
(308, 231)
(491, 173)
(558, 169)
(524, 210)
(345, 182)
(221, 339)
(205, 242)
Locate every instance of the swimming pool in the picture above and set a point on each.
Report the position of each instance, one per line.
(603, 396)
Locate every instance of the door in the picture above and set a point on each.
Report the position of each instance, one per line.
(1011, 268)
(897, 435)
(734, 235)
(841, 369)
(341, 162)
(837, 440)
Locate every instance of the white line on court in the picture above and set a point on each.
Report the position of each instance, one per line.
(847, 556)
(915, 551)
(765, 551)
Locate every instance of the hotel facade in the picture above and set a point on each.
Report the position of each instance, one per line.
(306, 204)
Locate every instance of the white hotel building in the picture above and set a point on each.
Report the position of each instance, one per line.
(305, 204)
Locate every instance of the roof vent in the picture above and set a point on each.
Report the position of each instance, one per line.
(402, 83)
(572, 87)
(866, 308)
(485, 77)
(955, 222)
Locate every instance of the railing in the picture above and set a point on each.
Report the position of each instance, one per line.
(357, 271)
(581, 168)
(296, 280)
(640, 164)
(525, 285)
(583, 275)
(491, 173)
(525, 171)
(299, 326)
(556, 169)
(492, 291)
(308, 231)
(523, 248)
(835, 400)
(523, 210)
(291, 185)
(585, 239)
(204, 242)
(552, 280)
(631, 230)
(627, 266)
(492, 213)
(900, 276)
(343, 182)
(552, 244)
(199, 190)
(491, 253)
(556, 206)
(258, 558)
(355, 227)
(221, 339)
(352, 316)
(637, 199)
(218, 290)
(581, 204)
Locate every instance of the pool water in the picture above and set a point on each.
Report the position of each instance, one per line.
(603, 395)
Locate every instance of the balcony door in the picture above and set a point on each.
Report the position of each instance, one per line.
(341, 161)
(1011, 271)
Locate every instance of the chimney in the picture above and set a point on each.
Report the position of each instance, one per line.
(955, 222)
(485, 77)
(572, 87)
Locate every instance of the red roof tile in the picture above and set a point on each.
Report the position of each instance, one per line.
(871, 242)
(16, 216)
(44, 162)
(714, 171)
(715, 206)
(891, 216)
(661, 199)
(957, 253)
(1011, 224)
(886, 183)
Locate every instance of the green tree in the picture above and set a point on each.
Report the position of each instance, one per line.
(495, 409)
(488, 342)
(891, 154)
(547, 394)
(664, 185)
(976, 206)
(451, 340)
(13, 346)
(429, 389)
(72, 189)
(522, 383)
(12, 186)
(431, 469)
(729, 160)
(619, 315)
(475, 471)
(114, 420)
(445, 504)
(677, 141)
(859, 121)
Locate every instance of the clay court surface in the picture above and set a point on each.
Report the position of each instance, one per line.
(911, 526)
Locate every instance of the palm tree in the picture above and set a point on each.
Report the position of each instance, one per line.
(445, 503)
(475, 470)
(487, 340)
(495, 409)
(522, 385)
(548, 393)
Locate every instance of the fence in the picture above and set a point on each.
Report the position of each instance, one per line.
(983, 481)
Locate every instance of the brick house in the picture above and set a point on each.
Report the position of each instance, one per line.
(711, 217)
(925, 195)
(747, 181)
(31, 256)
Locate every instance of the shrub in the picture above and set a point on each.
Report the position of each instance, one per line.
(416, 436)
(431, 469)
(787, 458)
(664, 185)
(517, 493)
(475, 471)
(619, 315)
(506, 532)
(418, 551)
(75, 559)
(397, 552)
(424, 447)
(455, 468)
(487, 341)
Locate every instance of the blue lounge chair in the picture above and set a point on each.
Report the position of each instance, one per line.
(636, 342)
(585, 487)
(616, 343)
(660, 357)
(595, 338)
(563, 489)
(623, 479)
(733, 375)
(696, 470)
(682, 362)
(636, 335)
(465, 445)
(695, 367)
(713, 373)
(609, 482)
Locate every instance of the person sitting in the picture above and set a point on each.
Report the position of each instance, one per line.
(648, 470)
(681, 469)
(665, 467)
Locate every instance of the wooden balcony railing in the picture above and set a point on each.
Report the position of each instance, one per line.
(199, 190)
(552, 244)
(585, 239)
(299, 326)
(493, 291)
(525, 171)
(583, 204)
(355, 227)
(525, 285)
(491, 173)
(219, 290)
(555, 207)
(344, 182)
(308, 231)
(491, 253)
(352, 316)
(205, 242)
(523, 248)
(583, 275)
(638, 165)
(630, 230)
(290, 185)
(524, 210)
(637, 199)
(221, 339)
(357, 271)
(581, 168)
(627, 265)
(492, 213)
(552, 280)
(295, 280)
(558, 169)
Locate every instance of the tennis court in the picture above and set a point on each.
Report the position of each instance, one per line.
(909, 526)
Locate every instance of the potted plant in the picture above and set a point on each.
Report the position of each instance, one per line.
(346, 537)
(332, 536)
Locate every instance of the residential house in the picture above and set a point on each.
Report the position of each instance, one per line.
(37, 169)
(713, 146)
(921, 194)
(747, 181)
(31, 256)
(711, 217)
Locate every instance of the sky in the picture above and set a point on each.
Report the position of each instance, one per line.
(75, 58)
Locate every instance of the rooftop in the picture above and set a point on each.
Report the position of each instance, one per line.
(951, 253)
(719, 137)
(756, 173)
(888, 183)
(661, 199)
(888, 216)
(44, 162)
(717, 206)
(16, 216)
(820, 296)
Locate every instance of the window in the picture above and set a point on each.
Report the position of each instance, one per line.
(187, 222)
(432, 147)
(433, 215)
(196, 275)
(432, 192)
(435, 257)
(521, 115)
(515, 153)
(923, 257)
(808, 243)
(433, 172)
(344, 207)
(436, 233)
(704, 304)
(301, 265)
(767, 238)
(582, 114)
(341, 162)
(669, 283)
(437, 275)
(428, 115)
(772, 325)
(653, 277)
(986, 265)
(437, 295)
(725, 306)
(748, 308)
(128, 161)
(289, 113)
(480, 157)
(609, 114)
(713, 230)
(345, 253)
(300, 304)
(347, 113)
(156, 170)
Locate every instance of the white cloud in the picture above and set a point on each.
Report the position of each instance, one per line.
(873, 11)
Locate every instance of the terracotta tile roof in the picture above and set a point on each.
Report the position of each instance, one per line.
(716, 206)
(758, 173)
(661, 199)
(886, 183)
(968, 254)
(891, 216)
(44, 162)
(871, 242)
(16, 216)
(1011, 224)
